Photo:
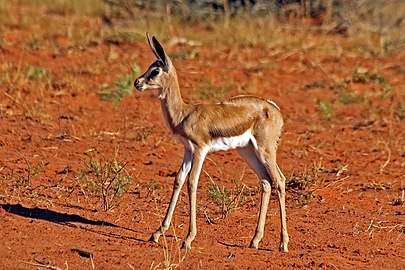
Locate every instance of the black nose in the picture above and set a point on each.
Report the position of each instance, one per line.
(136, 83)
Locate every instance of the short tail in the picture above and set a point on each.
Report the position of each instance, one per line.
(273, 103)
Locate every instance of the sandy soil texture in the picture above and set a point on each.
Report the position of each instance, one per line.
(342, 151)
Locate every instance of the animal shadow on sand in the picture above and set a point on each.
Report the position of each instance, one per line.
(230, 245)
(66, 219)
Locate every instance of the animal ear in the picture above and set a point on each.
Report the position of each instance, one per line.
(161, 54)
(151, 46)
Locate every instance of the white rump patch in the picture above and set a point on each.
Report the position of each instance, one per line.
(234, 142)
(273, 103)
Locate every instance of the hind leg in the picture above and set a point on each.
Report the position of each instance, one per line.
(266, 191)
(249, 155)
(268, 157)
(280, 188)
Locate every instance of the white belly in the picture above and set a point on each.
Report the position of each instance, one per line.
(222, 143)
(228, 143)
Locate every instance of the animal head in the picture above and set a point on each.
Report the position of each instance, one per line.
(158, 72)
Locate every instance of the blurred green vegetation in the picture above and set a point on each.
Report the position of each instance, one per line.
(370, 27)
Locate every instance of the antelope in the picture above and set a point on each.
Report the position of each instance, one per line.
(250, 124)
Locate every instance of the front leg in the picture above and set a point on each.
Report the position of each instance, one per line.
(198, 161)
(178, 183)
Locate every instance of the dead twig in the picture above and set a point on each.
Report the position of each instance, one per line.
(42, 265)
(379, 226)
(388, 158)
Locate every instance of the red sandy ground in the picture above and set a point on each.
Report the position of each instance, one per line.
(351, 223)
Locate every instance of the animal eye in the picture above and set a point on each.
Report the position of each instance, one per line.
(154, 73)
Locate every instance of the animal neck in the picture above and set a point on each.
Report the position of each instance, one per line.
(175, 110)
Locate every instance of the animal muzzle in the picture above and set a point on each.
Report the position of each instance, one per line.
(139, 83)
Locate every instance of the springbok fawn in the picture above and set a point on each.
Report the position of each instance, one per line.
(251, 125)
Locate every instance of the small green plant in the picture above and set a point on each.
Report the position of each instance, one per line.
(348, 96)
(142, 134)
(305, 197)
(227, 199)
(365, 77)
(35, 73)
(86, 178)
(301, 181)
(326, 110)
(35, 112)
(120, 88)
(113, 188)
(303, 185)
(151, 187)
(36, 170)
(108, 177)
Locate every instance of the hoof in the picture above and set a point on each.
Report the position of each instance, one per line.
(283, 248)
(186, 246)
(154, 238)
(254, 245)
